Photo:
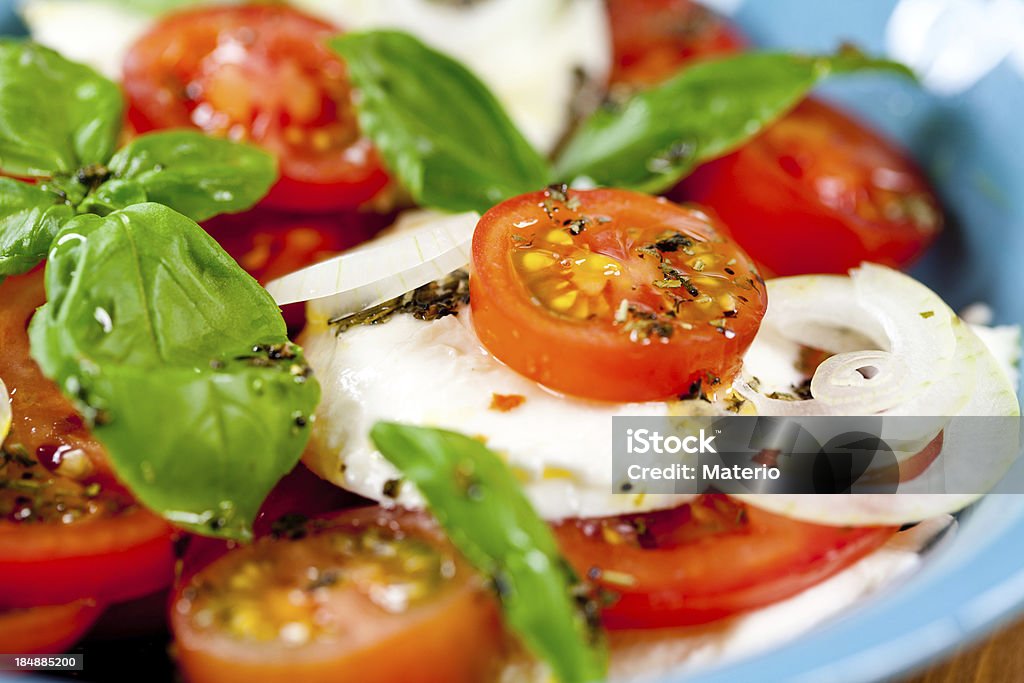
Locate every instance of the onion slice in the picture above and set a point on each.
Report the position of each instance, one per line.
(5, 412)
(422, 246)
(921, 360)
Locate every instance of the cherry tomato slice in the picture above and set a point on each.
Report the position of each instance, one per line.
(261, 73)
(706, 560)
(819, 192)
(367, 596)
(67, 530)
(46, 630)
(653, 39)
(612, 295)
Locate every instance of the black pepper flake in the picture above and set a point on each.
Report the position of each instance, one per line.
(673, 243)
(392, 487)
(291, 526)
(559, 192)
(694, 392)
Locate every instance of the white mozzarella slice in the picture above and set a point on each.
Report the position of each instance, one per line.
(437, 374)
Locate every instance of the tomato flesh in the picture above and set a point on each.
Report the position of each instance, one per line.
(46, 630)
(706, 560)
(367, 596)
(68, 531)
(653, 39)
(612, 295)
(818, 192)
(261, 73)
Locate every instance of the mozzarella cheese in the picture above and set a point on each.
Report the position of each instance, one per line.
(437, 374)
(535, 55)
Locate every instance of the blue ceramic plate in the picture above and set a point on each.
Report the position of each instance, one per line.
(969, 144)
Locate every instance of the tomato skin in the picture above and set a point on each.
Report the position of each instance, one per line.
(596, 357)
(123, 555)
(262, 73)
(819, 193)
(269, 244)
(708, 560)
(111, 559)
(46, 630)
(652, 40)
(455, 638)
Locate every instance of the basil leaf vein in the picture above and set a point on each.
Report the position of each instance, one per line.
(659, 135)
(56, 116)
(180, 361)
(482, 508)
(440, 129)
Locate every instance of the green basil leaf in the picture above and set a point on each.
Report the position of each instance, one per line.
(111, 196)
(659, 135)
(437, 126)
(56, 116)
(30, 217)
(194, 174)
(180, 361)
(482, 508)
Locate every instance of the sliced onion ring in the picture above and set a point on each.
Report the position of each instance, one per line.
(5, 412)
(421, 247)
(927, 362)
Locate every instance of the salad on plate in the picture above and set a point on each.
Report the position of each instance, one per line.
(318, 323)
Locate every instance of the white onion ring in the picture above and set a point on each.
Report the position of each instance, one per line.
(927, 363)
(912, 368)
(421, 247)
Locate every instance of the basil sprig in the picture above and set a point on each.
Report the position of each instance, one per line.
(59, 122)
(454, 148)
(485, 514)
(180, 361)
(440, 129)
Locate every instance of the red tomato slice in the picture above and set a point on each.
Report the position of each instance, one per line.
(368, 596)
(706, 560)
(653, 39)
(269, 244)
(261, 73)
(67, 530)
(818, 192)
(296, 498)
(46, 630)
(612, 295)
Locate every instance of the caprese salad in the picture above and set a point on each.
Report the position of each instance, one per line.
(493, 227)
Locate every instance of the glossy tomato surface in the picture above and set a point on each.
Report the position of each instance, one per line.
(613, 295)
(706, 560)
(652, 40)
(260, 73)
(819, 192)
(68, 531)
(369, 596)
